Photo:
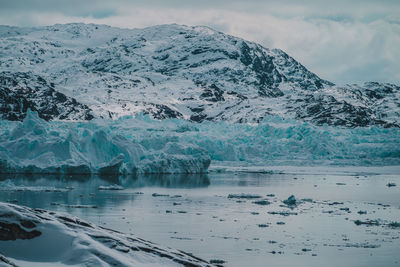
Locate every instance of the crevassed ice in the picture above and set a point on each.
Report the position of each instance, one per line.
(143, 145)
(37, 146)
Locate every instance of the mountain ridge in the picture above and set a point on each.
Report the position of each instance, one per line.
(174, 71)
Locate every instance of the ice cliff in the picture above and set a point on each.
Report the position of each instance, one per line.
(37, 146)
(143, 145)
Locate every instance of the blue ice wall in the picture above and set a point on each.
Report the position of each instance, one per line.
(141, 144)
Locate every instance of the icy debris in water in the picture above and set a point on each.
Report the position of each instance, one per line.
(354, 245)
(368, 222)
(283, 213)
(383, 205)
(263, 202)
(327, 211)
(291, 201)
(217, 261)
(335, 203)
(55, 190)
(361, 245)
(394, 224)
(347, 210)
(8, 185)
(391, 184)
(244, 196)
(111, 187)
(82, 206)
(159, 195)
(377, 223)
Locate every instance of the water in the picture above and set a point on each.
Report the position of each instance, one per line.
(193, 213)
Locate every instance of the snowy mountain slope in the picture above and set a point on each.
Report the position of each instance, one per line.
(351, 105)
(57, 239)
(194, 73)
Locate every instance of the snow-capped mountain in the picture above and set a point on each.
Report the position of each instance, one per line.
(80, 71)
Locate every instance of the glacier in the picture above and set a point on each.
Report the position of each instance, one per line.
(140, 144)
(37, 146)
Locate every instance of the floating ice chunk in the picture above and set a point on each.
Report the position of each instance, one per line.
(263, 202)
(291, 201)
(245, 196)
(111, 187)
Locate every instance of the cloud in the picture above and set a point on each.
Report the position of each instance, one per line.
(340, 41)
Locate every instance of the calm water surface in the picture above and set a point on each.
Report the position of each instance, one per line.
(195, 214)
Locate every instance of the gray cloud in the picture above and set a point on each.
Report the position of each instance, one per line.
(343, 41)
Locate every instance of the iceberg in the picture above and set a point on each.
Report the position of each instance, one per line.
(139, 145)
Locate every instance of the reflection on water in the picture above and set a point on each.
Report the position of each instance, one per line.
(48, 191)
(169, 180)
(135, 181)
(193, 213)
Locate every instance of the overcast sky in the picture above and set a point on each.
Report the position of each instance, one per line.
(343, 41)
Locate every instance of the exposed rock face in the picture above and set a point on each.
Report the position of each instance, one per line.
(79, 71)
(20, 91)
(13, 231)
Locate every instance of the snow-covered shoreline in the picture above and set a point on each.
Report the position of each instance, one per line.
(44, 238)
